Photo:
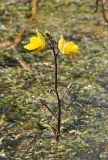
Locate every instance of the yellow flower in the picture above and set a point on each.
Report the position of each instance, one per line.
(47, 32)
(36, 43)
(67, 47)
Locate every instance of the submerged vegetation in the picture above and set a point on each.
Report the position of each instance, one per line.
(26, 126)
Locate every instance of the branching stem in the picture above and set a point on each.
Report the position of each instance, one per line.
(56, 88)
(46, 106)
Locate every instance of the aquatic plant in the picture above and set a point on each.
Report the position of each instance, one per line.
(38, 43)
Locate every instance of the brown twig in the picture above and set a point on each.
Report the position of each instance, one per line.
(15, 48)
(19, 37)
(34, 9)
(97, 4)
(103, 9)
(24, 65)
(16, 43)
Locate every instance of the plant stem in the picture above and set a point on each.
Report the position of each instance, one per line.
(56, 87)
(58, 97)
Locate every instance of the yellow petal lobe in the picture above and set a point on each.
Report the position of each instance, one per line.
(67, 47)
(30, 46)
(70, 48)
(36, 43)
(61, 43)
(39, 35)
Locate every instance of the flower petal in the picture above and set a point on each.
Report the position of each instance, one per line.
(39, 35)
(33, 39)
(36, 42)
(61, 43)
(70, 48)
(30, 46)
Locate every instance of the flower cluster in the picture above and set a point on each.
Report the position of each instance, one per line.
(38, 43)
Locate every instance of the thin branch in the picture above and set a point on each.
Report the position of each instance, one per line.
(103, 11)
(45, 104)
(19, 37)
(58, 51)
(21, 61)
(97, 4)
(15, 46)
(67, 88)
(34, 9)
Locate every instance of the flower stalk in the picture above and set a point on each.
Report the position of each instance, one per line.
(58, 97)
(56, 87)
(38, 43)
